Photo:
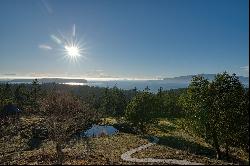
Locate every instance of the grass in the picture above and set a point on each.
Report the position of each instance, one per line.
(174, 143)
(103, 150)
(108, 121)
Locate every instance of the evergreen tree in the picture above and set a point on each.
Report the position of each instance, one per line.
(35, 94)
(21, 96)
(142, 110)
(7, 95)
(216, 109)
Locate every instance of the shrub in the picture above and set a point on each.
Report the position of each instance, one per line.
(142, 110)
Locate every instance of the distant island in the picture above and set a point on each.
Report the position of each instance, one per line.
(188, 78)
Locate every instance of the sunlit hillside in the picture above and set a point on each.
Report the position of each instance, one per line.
(128, 82)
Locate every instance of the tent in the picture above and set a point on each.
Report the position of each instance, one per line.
(10, 109)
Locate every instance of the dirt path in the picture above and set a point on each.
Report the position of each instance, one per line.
(127, 156)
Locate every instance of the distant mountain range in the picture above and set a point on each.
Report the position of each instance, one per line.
(188, 78)
(46, 80)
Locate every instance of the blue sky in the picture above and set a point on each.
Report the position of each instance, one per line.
(125, 38)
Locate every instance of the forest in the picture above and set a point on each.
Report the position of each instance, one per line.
(207, 122)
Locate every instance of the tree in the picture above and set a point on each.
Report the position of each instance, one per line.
(119, 102)
(135, 90)
(170, 102)
(147, 89)
(113, 102)
(106, 103)
(229, 102)
(161, 101)
(244, 139)
(6, 95)
(35, 94)
(21, 95)
(142, 110)
(215, 109)
(65, 115)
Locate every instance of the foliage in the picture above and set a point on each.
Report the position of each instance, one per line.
(35, 95)
(217, 109)
(63, 110)
(65, 116)
(143, 110)
(22, 96)
(6, 95)
(171, 107)
(113, 102)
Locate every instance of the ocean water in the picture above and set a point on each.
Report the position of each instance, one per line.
(153, 85)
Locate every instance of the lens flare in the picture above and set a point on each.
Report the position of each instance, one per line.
(72, 48)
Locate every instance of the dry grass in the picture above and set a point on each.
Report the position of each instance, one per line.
(174, 143)
(103, 150)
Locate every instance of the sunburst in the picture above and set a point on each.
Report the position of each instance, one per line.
(72, 48)
(72, 51)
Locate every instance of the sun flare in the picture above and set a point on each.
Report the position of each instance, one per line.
(71, 47)
(72, 51)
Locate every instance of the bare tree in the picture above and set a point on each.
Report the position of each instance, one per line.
(65, 115)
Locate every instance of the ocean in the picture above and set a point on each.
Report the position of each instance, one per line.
(153, 85)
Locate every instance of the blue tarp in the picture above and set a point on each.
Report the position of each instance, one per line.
(11, 109)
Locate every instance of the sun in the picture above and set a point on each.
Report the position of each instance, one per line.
(72, 51)
(71, 47)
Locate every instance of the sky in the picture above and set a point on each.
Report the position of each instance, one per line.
(124, 38)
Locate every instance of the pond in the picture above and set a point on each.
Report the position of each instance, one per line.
(98, 131)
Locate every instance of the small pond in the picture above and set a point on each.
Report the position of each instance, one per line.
(98, 131)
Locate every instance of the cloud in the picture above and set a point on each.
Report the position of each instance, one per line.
(45, 47)
(9, 74)
(74, 31)
(98, 73)
(39, 74)
(245, 68)
(47, 6)
(55, 39)
(99, 70)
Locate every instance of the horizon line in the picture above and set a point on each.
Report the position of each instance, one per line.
(86, 78)
(96, 78)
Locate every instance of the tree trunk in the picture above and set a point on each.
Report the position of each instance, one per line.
(216, 145)
(60, 154)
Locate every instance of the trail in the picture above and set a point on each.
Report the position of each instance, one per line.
(127, 156)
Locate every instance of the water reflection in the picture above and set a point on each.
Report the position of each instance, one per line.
(98, 131)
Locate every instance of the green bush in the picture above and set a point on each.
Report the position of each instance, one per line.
(217, 110)
(143, 110)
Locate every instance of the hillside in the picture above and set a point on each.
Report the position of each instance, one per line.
(188, 78)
